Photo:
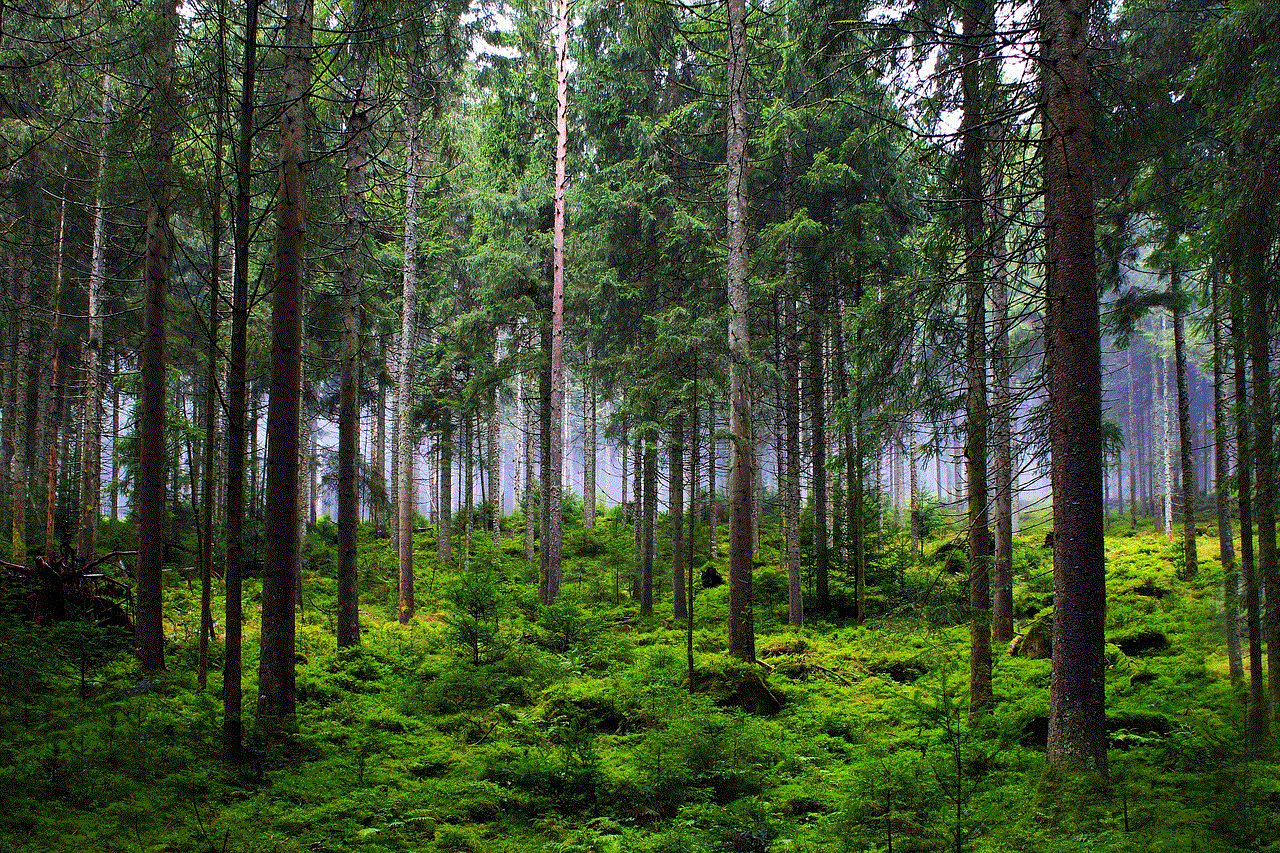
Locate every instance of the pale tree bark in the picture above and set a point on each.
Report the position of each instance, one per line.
(359, 121)
(1077, 724)
(149, 494)
(589, 451)
(276, 670)
(742, 642)
(91, 356)
(553, 544)
(415, 154)
(675, 498)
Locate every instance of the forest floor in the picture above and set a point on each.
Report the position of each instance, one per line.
(491, 724)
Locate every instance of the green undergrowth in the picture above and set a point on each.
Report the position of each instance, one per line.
(490, 723)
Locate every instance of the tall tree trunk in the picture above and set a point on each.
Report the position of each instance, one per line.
(977, 17)
(1077, 722)
(1264, 465)
(1132, 440)
(526, 439)
(649, 509)
(713, 550)
(353, 234)
(1258, 724)
(149, 497)
(589, 451)
(675, 498)
(1166, 438)
(444, 539)
(237, 388)
(1002, 433)
(211, 363)
(553, 543)
(1186, 445)
(495, 461)
(742, 641)
(55, 382)
(276, 671)
(405, 490)
(791, 343)
(378, 488)
(818, 458)
(91, 356)
(1222, 492)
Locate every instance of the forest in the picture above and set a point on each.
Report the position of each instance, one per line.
(586, 425)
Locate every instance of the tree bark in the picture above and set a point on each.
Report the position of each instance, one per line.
(791, 343)
(649, 509)
(276, 671)
(149, 495)
(589, 451)
(1222, 492)
(405, 490)
(742, 643)
(675, 499)
(353, 234)
(1186, 444)
(1077, 723)
(818, 458)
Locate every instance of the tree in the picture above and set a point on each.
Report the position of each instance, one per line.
(741, 631)
(1077, 724)
(276, 673)
(152, 448)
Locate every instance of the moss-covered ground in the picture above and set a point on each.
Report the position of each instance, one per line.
(491, 724)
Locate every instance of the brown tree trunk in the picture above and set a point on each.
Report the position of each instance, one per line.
(1077, 724)
(1222, 493)
(675, 497)
(818, 459)
(353, 234)
(1186, 444)
(589, 451)
(237, 390)
(149, 496)
(649, 516)
(276, 671)
(791, 344)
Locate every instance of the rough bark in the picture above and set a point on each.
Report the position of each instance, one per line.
(1077, 724)
(405, 490)
(589, 452)
(742, 642)
(675, 497)
(149, 494)
(649, 510)
(818, 459)
(237, 388)
(791, 343)
(1186, 444)
(359, 120)
(1222, 493)
(276, 670)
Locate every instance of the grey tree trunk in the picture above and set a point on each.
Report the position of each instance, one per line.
(589, 451)
(1186, 449)
(675, 498)
(405, 489)
(1222, 493)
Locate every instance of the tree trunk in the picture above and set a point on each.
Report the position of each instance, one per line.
(1186, 445)
(444, 538)
(589, 451)
(1222, 492)
(1258, 725)
(649, 505)
(818, 458)
(495, 462)
(1077, 723)
(91, 355)
(237, 387)
(276, 672)
(791, 343)
(713, 549)
(553, 543)
(405, 490)
(149, 495)
(353, 233)
(975, 46)
(676, 511)
(378, 487)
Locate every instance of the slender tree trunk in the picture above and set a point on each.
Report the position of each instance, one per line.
(444, 540)
(818, 459)
(589, 452)
(1132, 441)
(649, 508)
(527, 452)
(353, 233)
(679, 609)
(149, 495)
(1077, 723)
(1186, 448)
(791, 342)
(378, 488)
(713, 550)
(405, 491)
(91, 355)
(1222, 493)
(495, 462)
(1257, 720)
(977, 16)
(553, 543)
(212, 360)
(55, 382)
(1166, 439)
(1002, 434)
(237, 389)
